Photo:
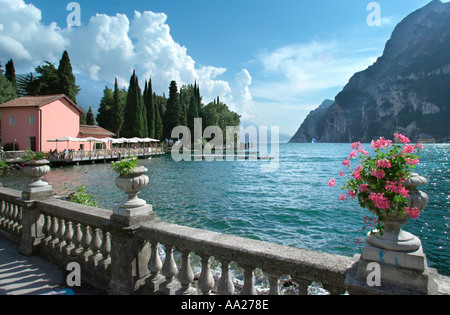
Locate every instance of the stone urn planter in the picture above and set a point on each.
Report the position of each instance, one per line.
(36, 170)
(132, 183)
(394, 237)
(133, 210)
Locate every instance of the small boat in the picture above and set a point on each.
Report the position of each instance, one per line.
(313, 140)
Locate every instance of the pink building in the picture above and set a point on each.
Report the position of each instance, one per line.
(31, 121)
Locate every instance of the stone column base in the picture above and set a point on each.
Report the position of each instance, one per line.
(38, 193)
(133, 216)
(399, 272)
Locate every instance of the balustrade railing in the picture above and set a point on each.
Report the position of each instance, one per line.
(10, 214)
(275, 262)
(142, 254)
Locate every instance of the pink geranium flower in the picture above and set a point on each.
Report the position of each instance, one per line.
(378, 173)
(331, 183)
(413, 213)
(401, 138)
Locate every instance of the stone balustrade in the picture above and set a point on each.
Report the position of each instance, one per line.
(275, 261)
(144, 255)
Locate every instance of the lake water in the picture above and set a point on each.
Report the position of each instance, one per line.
(292, 206)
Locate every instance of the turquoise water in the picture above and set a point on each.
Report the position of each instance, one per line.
(292, 206)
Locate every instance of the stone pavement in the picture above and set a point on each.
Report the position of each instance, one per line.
(21, 275)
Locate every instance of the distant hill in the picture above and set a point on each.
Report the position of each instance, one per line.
(406, 90)
(313, 123)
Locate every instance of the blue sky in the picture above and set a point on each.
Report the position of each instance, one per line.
(273, 61)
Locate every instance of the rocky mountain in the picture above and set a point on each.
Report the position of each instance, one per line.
(406, 90)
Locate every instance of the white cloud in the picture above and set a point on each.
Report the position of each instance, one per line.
(312, 67)
(297, 76)
(23, 36)
(112, 46)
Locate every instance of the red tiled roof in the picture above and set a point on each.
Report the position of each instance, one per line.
(37, 101)
(94, 131)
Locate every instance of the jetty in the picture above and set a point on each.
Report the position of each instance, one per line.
(95, 156)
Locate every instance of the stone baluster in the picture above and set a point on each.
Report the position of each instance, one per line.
(68, 236)
(155, 265)
(8, 214)
(106, 250)
(86, 243)
(273, 284)
(303, 285)
(61, 233)
(170, 271)
(14, 217)
(249, 283)
(18, 227)
(206, 280)
(226, 286)
(186, 276)
(47, 229)
(54, 233)
(96, 246)
(77, 240)
(2, 213)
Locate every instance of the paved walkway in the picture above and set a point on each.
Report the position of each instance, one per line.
(21, 275)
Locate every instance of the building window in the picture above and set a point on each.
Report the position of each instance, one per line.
(12, 120)
(31, 119)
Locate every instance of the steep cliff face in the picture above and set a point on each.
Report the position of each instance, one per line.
(407, 90)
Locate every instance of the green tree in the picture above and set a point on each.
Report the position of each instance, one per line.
(149, 104)
(10, 73)
(174, 115)
(7, 90)
(218, 114)
(135, 117)
(159, 127)
(90, 119)
(67, 81)
(47, 82)
(105, 109)
(117, 110)
(25, 84)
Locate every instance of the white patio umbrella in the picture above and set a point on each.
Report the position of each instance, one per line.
(92, 139)
(65, 139)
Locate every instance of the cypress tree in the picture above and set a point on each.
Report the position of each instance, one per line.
(134, 124)
(149, 104)
(67, 81)
(191, 115)
(116, 111)
(105, 109)
(173, 116)
(159, 128)
(90, 119)
(10, 73)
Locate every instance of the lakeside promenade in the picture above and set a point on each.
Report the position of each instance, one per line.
(22, 275)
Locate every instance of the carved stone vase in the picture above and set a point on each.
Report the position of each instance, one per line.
(133, 209)
(394, 237)
(132, 183)
(36, 170)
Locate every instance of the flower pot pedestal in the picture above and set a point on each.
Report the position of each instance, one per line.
(130, 254)
(37, 189)
(397, 258)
